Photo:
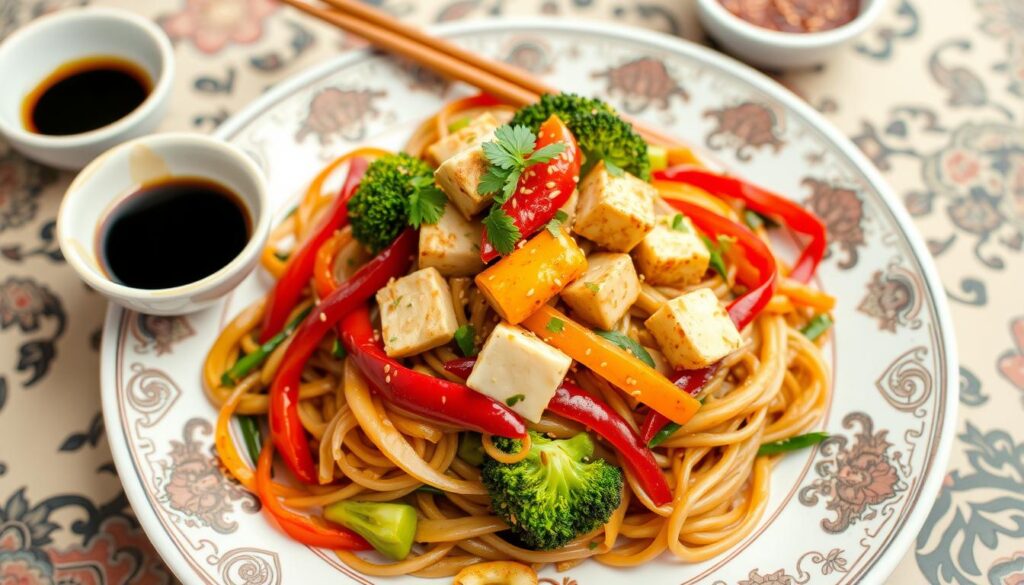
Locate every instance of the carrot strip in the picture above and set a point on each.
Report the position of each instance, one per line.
(612, 363)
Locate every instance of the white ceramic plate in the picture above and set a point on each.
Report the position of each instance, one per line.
(842, 513)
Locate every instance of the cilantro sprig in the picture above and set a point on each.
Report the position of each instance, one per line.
(512, 151)
(426, 203)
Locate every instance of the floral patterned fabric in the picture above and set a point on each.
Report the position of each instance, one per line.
(934, 95)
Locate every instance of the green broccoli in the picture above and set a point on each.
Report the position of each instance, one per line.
(397, 190)
(554, 494)
(600, 132)
(389, 527)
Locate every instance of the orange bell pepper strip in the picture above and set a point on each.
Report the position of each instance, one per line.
(610, 362)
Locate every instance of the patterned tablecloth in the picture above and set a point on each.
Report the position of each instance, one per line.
(934, 95)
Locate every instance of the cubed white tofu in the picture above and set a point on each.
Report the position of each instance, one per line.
(479, 130)
(694, 330)
(615, 212)
(416, 313)
(606, 291)
(459, 176)
(672, 254)
(452, 245)
(519, 370)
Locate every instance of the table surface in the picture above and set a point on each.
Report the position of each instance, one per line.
(921, 93)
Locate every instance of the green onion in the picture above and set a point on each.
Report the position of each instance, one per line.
(250, 361)
(251, 436)
(338, 350)
(792, 443)
(458, 124)
(716, 262)
(465, 338)
(666, 431)
(282, 256)
(817, 326)
(755, 220)
(429, 489)
(658, 156)
(627, 343)
(471, 448)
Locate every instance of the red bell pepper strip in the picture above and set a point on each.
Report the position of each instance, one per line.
(576, 404)
(544, 188)
(425, 395)
(297, 273)
(297, 526)
(743, 310)
(285, 426)
(764, 202)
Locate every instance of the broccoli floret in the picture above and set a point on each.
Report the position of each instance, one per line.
(554, 494)
(600, 132)
(378, 211)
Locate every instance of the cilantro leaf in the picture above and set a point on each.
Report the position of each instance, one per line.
(556, 222)
(510, 146)
(593, 287)
(546, 153)
(465, 338)
(509, 188)
(426, 203)
(627, 343)
(493, 180)
(502, 232)
(555, 325)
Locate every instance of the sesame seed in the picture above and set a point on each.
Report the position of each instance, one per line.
(631, 381)
(604, 364)
(635, 393)
(550, 184)
(588, 352)
(530, 292)
(387, 368)
(444, 400)
(323, 317)
(387, 378)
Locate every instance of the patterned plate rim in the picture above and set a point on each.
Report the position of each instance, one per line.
(886, 560)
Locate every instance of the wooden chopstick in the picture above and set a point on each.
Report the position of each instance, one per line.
(501, 80)
(425, 55)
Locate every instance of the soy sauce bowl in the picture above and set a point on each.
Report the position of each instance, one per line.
(31, 53)
(117, 174)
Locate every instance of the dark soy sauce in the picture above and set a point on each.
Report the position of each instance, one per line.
(84, 95)
(173, 232)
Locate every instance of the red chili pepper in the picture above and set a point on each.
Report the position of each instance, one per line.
(764, 202)
(285, 426)
(742, 310)
(288, 289)
(544, 187)
(431, 397)
(575, 404)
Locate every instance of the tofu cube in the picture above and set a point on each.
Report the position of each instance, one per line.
(452, 245)
(480, 130)
(459, 176)
(615, 212)
(672, 256)
(519, 370)
(416, 313)
(693, 330)
(606, 291)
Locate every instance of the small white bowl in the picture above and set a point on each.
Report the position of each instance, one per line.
(34, 51)
(781, 50)
(119, 172)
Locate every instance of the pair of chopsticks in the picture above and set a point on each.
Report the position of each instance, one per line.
(501, 80)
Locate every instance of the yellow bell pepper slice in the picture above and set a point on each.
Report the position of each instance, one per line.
(612, 363)
(529, 277)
